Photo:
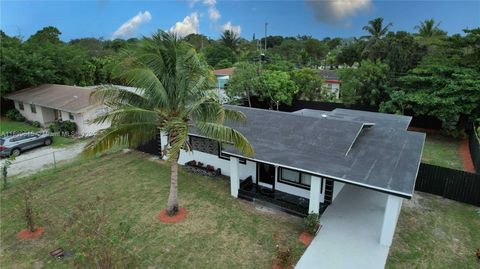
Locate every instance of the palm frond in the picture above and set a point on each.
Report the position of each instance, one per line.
(226, 134)
(133, 135)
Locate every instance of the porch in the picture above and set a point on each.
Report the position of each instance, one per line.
(286, 202)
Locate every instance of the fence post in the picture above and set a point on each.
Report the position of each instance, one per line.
(54, 161)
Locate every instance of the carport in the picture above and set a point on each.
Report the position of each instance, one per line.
(352, 228)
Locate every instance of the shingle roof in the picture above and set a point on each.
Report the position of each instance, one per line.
(67, 98)
(328, 74)
(383, 157)
(224, 71)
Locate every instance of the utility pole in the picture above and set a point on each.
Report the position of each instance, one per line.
(266, 24)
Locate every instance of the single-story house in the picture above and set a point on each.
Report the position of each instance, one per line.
(48, 103)
(332, 81)
(304, 161)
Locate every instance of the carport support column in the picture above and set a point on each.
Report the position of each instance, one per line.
(314, 204)
(234, 178)
(390, 217)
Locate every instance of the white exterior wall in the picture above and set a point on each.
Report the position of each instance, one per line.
(83, 121)
(27, 112)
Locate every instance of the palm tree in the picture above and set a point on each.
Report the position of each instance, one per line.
(230, 39)
(428, 28)
(375, 28)
(173, 93)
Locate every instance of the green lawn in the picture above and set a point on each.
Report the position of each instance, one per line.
(15, 126)
(434, 232)
(442, 151)
(106, 206)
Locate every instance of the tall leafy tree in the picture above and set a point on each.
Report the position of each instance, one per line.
(244, 82)
(365, 85)
(309, 83)
(277, 87)
(173, 94)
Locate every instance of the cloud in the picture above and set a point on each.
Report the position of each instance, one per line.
(335, 11)
(189, 25)
(191, 3)
(210, 2)
(234, 28)
(213, 14)
(128, 28)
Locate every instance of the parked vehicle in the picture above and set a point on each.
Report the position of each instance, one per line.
(14, 145)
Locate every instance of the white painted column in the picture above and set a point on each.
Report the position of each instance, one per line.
(390, 217)
(234, 178)
(313, 207)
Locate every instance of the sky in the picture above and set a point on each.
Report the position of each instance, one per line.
(111, 19)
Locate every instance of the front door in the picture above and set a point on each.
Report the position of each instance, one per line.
(266, 174)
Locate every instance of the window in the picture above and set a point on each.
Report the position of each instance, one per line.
(70, 116)
(295, 178)
(33, 108)
(20, 105)
(330, 86)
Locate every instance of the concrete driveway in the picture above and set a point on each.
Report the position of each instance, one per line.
(34, 160)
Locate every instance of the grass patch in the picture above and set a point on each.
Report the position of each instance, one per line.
(119, 195)
(434, 232)
(442, 151)
(16, 126)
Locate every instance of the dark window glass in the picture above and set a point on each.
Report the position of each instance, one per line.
(295, 177)
(33, 108)
(20, 105)
(70, 116)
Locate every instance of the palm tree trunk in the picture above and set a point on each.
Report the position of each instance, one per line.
(172, 205)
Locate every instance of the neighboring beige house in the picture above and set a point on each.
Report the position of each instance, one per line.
(48, 103)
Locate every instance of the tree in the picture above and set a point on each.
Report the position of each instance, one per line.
(217, 52)
(351, 52)
(230, 39)
(223, 64)
(315, 50)
(277, 87)
(244, 82)
(440, 88)
(365, 85)
(429, 28)
(376, 29)
(198, 41)
(374, 45)
(174, 93)
(309, 83)
(47, 34)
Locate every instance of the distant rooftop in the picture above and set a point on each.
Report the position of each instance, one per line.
(224, 71)
(328, 74)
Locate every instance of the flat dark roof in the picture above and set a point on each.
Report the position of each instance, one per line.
(381, 157)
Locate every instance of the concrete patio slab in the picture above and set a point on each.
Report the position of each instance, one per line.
(349, 237)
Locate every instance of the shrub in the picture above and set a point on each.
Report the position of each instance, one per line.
(14, 115)
(63, 127)
(311, 223)
(35, 124)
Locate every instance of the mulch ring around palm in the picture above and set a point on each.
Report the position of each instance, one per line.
(165, 218)
(27, 234)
